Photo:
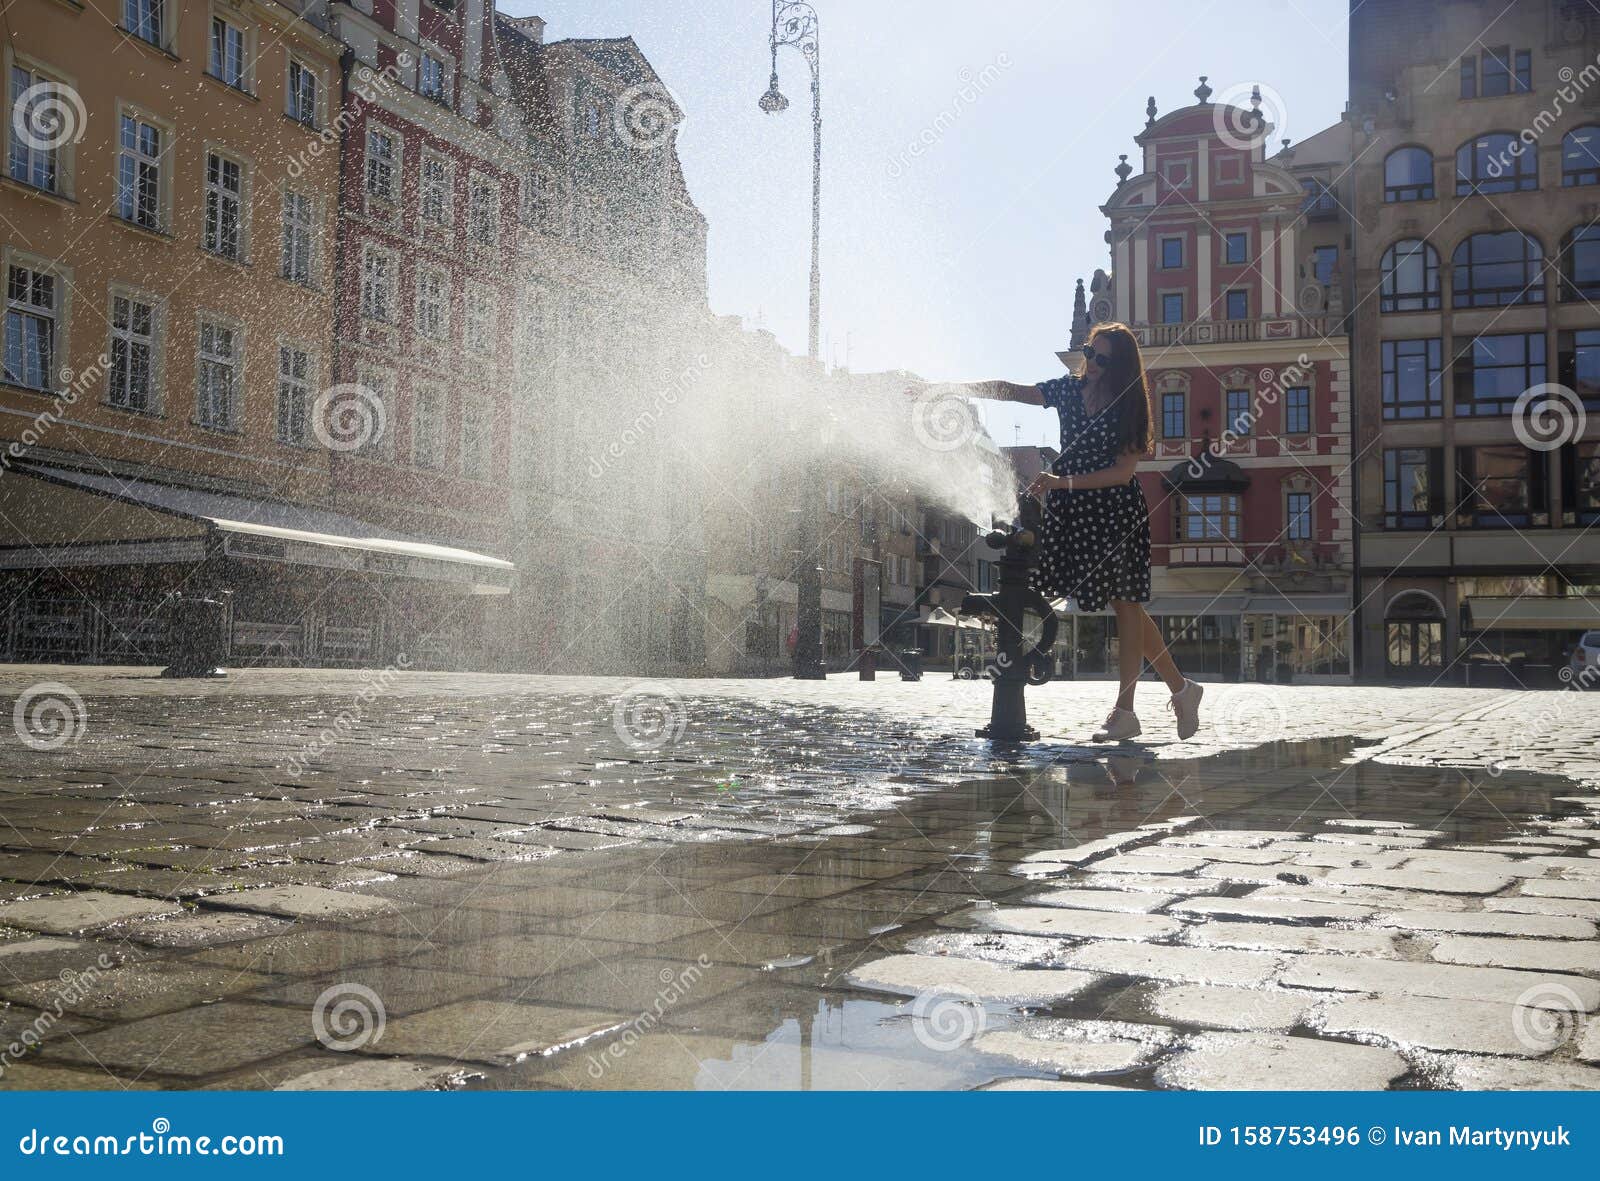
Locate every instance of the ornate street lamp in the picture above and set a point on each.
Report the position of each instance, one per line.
(794, 23)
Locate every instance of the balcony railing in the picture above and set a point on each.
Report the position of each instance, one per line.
(1197, 332)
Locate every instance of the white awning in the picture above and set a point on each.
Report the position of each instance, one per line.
(271, 531)
(1533, 613)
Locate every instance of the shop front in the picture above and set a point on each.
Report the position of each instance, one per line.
(90, 562)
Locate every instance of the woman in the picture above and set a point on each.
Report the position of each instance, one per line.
(1095, 544)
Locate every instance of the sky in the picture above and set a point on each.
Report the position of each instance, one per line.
(967, 149)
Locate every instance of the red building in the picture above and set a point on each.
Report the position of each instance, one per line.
(1229, 266)
(432, 151)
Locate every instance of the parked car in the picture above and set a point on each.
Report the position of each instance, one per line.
(1586, 660)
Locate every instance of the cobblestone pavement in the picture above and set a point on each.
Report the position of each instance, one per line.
(348, 880)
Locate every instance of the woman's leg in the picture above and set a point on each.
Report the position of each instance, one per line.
(1130, 649)
(1155, 650)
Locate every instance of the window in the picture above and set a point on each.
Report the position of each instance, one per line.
(1499, 486)
(434, 190)
(432, 303)
(431, 80)
(224, 233)
(1236, 248)
(1238, 305)
(1502, 72)
(1413, 634)
(1298, 516)
(1171, 253)
(1580, 263)
(143, 18)
(1578, 360)
(35, 140)
(1496, 163)
(139, 173)
(427, 433)
(1497, 270)
(1580, 156)
(1297, 410)
(1319, 199)
(380, 385)
(1324, 261)
(1212, 516)
(591, 120)
(299, 225)
(483, 213)
(1411, 387)
(1408, 175)
(1172, 308)
(475, 439)
(1493, 372)
(218, 379)
(1410, 277)
(1174, 416)
(32, 327)
(479, 329)
(377, 286)
(1581, 472)
(1239, 416)
(382, 157)
(1413, 487)
(537, 197)
(229, 60)
(133, 344)
(294, 394)
(302, 94)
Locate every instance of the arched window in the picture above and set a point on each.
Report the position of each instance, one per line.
(1580, 156)
(1408, 175)
(1498, 162)
(1580, 263)
(1410, 277)
(1497, 270)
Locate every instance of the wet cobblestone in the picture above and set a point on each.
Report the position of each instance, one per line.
(581, 883)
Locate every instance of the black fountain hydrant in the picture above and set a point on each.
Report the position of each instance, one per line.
(199, 635)
(1018, 663)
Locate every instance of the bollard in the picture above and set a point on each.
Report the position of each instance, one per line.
(1018, 664)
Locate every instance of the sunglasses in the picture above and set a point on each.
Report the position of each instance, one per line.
(1101, 359)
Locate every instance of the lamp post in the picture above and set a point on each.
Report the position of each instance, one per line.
(794, 23)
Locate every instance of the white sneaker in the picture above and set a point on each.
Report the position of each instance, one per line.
(1120, 724)
(1186, 704)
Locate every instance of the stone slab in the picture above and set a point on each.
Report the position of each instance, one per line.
(945, 975)
(132, 991)
(194, 1042)
(493, 1032)
(377, 1074)
(73, 914)
(1283, 937)
(1066, 923)
(1343, 974)
(1534, 954)
(1471, 1073)
(1430, 881)
(1272, 1062)
(1072, 1047)
(1198, 965)
(1253, 906)
(1477, 1027)
(1209, 1006)
(1125, 901)
(305, 902)
(1490, 922)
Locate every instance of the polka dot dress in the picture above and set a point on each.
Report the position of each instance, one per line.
(1095, 545)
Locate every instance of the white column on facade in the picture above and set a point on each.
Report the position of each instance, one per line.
(1141, 266)
(1286, 266)
(1123, 277)
(1269, 256)
(1204, 297)
(1203, 178)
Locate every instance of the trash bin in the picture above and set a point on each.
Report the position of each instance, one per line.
(869, 664)
(199, 643)
(911, 664)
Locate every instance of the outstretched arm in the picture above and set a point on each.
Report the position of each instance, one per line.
(1004, 391)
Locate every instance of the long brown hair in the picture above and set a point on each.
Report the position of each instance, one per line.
(1129, 403)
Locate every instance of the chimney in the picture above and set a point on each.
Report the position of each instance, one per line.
(531, 27)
